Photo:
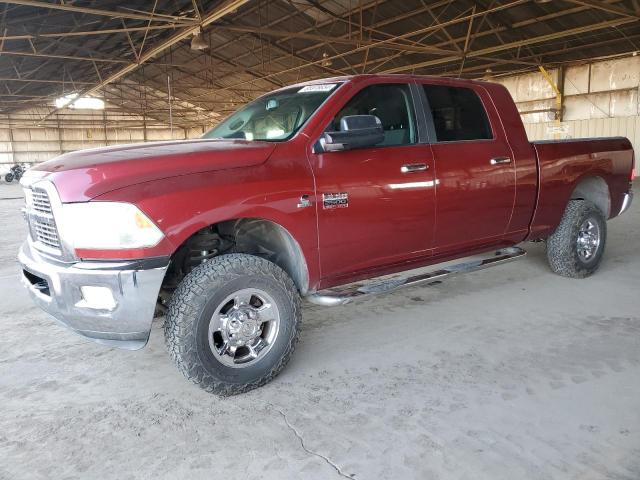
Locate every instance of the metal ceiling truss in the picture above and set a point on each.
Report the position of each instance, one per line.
(128, 53)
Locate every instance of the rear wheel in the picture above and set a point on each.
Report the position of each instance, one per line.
(575, 249)
(8, 177)
(233, 323)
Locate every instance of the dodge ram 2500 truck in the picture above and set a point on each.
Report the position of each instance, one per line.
(332, 190)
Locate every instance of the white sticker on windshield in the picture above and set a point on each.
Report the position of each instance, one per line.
(322, 87)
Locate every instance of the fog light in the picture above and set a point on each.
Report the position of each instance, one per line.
(99, 298)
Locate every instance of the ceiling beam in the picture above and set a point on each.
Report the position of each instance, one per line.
(598, 5)
(512, 45)
(332, 39)
(476, 53)
(225, 8)
(419, 11)
(403, 36)
(84, 33)
(62, 57)
(481, 68)
(495, 30)
(79, 58)
(11, 79)
(103, 13)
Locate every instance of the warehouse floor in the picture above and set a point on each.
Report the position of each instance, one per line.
(510, 373)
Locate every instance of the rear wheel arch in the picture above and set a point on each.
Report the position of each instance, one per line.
(594, 189)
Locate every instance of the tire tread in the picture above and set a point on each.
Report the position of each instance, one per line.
(187, 302)
(561, 253)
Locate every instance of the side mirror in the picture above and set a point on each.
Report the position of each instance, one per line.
(356, 131)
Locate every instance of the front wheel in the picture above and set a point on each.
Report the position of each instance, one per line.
(233, 323)
(575, 249)
(8, 177)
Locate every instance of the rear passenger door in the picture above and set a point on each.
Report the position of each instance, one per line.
(474, 170)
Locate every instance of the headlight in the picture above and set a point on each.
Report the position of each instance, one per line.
(108, 226)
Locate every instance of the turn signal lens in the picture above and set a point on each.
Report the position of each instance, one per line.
(142, 221)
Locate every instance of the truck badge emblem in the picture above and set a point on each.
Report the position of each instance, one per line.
(335, 200)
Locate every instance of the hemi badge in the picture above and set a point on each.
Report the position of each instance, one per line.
(335, 200)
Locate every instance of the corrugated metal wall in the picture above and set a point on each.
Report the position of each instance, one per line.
(600, 99)
(23, 141)
(35, 145)
(596, 127)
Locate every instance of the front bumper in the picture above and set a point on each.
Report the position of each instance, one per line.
(124, 321)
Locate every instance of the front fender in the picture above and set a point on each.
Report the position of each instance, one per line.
(183, 205)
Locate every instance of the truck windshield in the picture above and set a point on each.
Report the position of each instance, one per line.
(274, 117)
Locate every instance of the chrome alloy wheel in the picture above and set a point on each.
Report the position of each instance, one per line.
(243, 328)
(588, 240)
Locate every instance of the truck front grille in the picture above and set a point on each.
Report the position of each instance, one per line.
(42, 224)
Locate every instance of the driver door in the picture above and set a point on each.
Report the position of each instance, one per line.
(375, 205)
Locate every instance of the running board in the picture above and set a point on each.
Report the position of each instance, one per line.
(348, 293)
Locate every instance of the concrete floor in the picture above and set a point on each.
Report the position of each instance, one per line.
(510, 373)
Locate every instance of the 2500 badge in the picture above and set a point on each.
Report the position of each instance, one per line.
(335, 200)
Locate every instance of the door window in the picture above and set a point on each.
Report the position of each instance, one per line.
(458, 114)
(392, 104)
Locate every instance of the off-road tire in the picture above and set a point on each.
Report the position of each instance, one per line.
(8, 177)
(562, 252)
(190, 310)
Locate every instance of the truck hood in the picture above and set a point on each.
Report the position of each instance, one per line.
(85, 174)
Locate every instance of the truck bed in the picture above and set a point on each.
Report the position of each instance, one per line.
(563, 164)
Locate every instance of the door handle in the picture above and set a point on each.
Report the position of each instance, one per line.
(500, 160)
(414, 167)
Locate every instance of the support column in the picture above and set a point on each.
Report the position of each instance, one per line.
(104, 126)
(558, 91)
(144, 126)
(59, 134)
(11, 143)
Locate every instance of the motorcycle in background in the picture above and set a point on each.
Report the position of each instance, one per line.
(15, 173)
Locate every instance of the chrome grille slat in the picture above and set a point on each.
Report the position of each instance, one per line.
(46, 235)
(46, 230)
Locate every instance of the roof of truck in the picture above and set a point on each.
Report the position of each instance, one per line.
(390, 77)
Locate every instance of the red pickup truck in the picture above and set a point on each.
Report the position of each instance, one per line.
(331, 190)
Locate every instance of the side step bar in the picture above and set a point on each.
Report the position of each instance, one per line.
(342, 295)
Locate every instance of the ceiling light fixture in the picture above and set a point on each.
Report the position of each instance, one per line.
(197, 42)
